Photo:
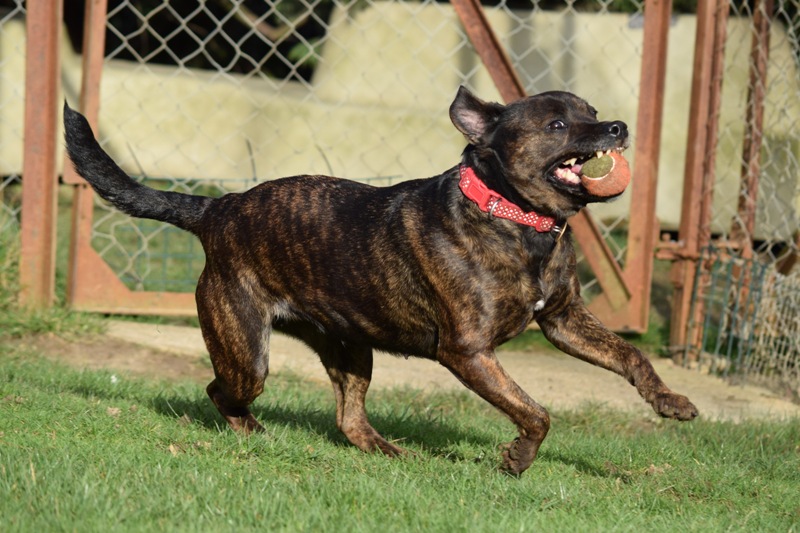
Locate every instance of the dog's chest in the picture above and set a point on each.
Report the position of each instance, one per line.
(544, 275)
(530, 297)
(554, 273)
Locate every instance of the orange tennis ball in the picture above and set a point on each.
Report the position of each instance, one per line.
(611, 184)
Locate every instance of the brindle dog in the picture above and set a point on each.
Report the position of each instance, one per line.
(416, 269)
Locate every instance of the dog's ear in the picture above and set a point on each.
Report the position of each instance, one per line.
(472, 116)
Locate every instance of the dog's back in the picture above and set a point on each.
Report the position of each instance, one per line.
(337, 253)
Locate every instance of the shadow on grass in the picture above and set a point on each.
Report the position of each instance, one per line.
(408, 418)
(580, 464)
(391, 414)
(432, 437)
(436, 437)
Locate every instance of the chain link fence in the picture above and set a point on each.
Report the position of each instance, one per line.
(218, 95)
(746, 300)
(215, 96)
(749, 327)
(777, 195)
(12, 97)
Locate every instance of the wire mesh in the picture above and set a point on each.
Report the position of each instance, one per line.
(749, 307)
(775, 354)
(12, 97)
(777, 195)
(749, 324)
(234, 92)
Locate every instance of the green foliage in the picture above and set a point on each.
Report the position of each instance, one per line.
(91, 451)
(305, 53)
(9, 267)
(16, 321)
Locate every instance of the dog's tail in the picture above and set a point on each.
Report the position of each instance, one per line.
(114, 185)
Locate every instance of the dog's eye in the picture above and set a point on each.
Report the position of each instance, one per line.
(556, 125)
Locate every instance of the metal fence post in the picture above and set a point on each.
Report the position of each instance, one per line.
(698, 182)
(744, 224)
(39, 183)
(642, 237)
(94, 34)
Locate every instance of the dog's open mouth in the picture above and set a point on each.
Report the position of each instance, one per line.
(569, 171)
(602, 174)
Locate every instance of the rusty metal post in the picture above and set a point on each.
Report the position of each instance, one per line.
(92, 285)
(699, 169)
(643, 234)
(712, 129)
(80, 248)
(93, 50)
(744, 223)
(39, 180)
(489, 49)
(693, 344)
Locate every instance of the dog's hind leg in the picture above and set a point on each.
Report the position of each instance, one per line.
(236, 333)
(483, 374)
(350, 370)
(577, 332)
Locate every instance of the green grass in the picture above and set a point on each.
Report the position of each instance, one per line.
(15, 321)
(91, 451)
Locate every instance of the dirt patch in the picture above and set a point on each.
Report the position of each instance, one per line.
(553, 379)
(108, 353)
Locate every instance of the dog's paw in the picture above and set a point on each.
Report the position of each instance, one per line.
(671, 405)
(367, 439)
(518, 455)
(245, 425)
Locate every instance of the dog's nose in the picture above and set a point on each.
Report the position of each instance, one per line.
(617, 129)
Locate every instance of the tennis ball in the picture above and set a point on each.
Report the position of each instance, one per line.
(597, 167)
(613, 182)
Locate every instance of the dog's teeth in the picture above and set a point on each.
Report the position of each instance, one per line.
(571, 162)
(607, 152)
(568, 176)
(598, 154)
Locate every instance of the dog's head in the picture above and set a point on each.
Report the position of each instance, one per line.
(529, 149)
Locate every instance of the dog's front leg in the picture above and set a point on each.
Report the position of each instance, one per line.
(577, 332)
(483, 374)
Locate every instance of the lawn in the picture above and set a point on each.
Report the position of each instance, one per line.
(92, 451)
(96, 451)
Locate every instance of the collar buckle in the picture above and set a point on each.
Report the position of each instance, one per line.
(494, 201)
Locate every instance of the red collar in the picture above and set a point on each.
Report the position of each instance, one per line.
(493, 203)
